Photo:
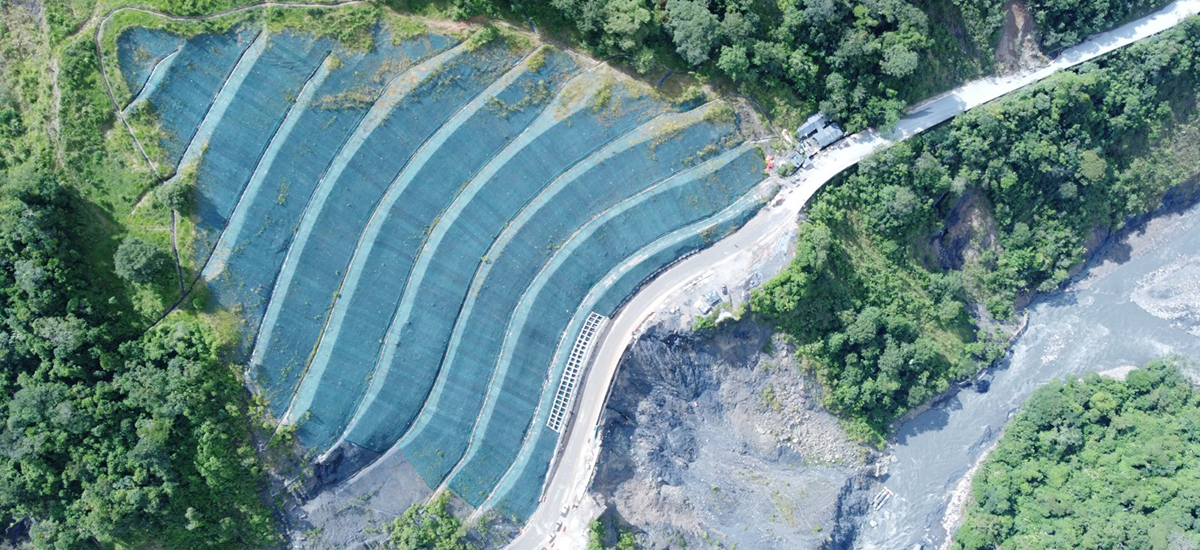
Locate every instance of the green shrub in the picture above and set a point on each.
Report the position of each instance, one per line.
(1093, 463)
(138, 261)
(176, 194)
(428, 526)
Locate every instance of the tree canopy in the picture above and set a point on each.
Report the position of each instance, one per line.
(108, 435)
(879, 292)
(1094, 463)
(428, 526)
(138, 261)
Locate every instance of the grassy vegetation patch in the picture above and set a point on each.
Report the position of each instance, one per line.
(402, 27)
(604, 98)
(351, 26)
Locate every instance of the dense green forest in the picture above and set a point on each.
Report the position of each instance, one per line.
(1066, 22)
(860, 61)
(1094, 463)
(887, 307)
(108, 434)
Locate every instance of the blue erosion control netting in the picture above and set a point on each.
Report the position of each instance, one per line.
(242, 123)
(350, 345)
(629, 165)
(248, 256)
(139, 52)
(554, 297)
(563, 135)
(519, 491)
(344, 202)
(197, 73)
(409, 231)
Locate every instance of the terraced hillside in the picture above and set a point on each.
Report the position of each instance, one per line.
(415, 234)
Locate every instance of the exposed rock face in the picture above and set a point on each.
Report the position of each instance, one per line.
(717, 437)
(969, 230)
(1018, 48)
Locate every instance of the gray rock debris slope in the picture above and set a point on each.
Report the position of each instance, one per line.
(709, 439)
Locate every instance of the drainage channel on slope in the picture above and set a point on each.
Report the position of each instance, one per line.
(580, 353)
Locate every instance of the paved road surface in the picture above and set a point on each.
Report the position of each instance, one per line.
(573, 472)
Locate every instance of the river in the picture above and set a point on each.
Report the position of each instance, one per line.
(1138, 302)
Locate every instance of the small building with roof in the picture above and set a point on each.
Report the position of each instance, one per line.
(810, 126)
(825, 137)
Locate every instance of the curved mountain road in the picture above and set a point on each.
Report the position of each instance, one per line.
(572, 472)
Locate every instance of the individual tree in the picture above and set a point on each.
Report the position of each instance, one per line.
(176, 193)
(733, 62)
(625, 23)
(693, 28)
(138, 261)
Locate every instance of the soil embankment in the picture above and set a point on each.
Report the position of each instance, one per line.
(1018, 48)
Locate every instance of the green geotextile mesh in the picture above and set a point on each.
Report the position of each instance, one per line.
(346, 200)
(410, 231)
(197, 73)
(344, 361)
(628, 166)
(551, 300)
(142, 52)
(244, 120)
(564, 135)
(518, 491)
(248, 256)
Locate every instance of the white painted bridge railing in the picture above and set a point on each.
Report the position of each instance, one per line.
(580, 353)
